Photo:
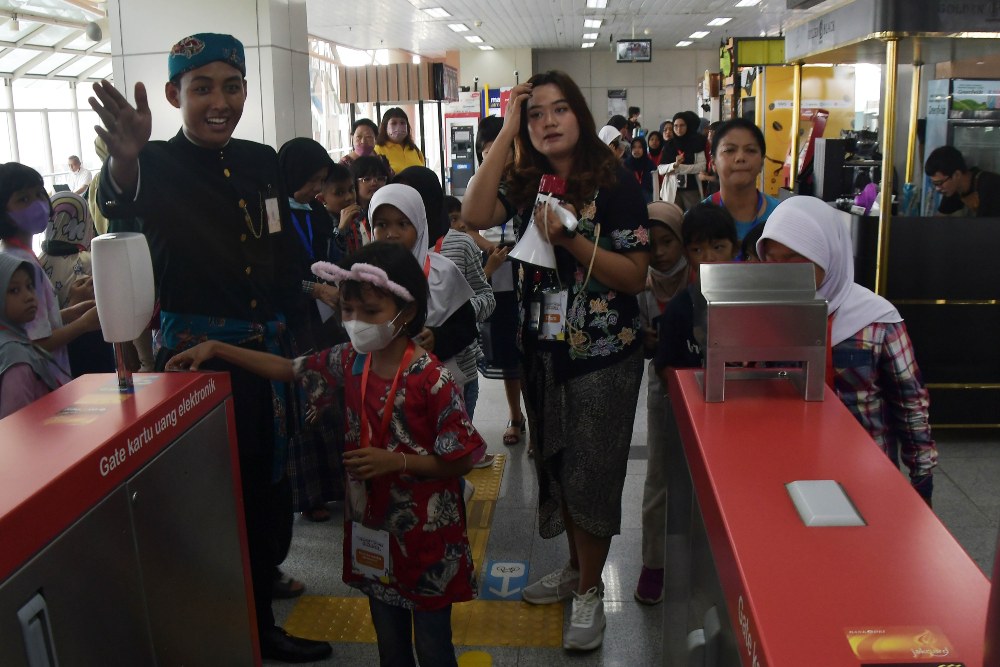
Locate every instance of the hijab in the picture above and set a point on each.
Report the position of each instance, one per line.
(448, 289)
(15, 345)
(298, 160)
(691, 141)
(428, 186)
(66, 248)
(815, 230)
(665, 285)
(607, 134)
(640, 165)
(654, 155)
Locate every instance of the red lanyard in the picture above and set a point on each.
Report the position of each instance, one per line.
(437, 246)
(18, 243)
(427, 266)
(383, 435)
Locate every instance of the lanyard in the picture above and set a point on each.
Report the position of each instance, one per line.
(437, 246)
(383, 435)
(307, 242)
(427, 266)
(17, 243)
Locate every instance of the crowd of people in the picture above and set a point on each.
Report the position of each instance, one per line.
(355, 307)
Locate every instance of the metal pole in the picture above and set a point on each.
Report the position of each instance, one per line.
(911, 139)
(888, 146)
(793, 172)
(443, 139)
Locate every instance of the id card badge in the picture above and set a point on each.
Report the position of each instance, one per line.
(273, 215)
(553, 324)
(357, 498)
(370, 552)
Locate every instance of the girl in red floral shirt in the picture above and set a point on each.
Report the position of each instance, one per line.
(405, 540)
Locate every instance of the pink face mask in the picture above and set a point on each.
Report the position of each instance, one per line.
(364, 149)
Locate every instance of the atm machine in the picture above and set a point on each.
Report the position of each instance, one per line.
(462, 151)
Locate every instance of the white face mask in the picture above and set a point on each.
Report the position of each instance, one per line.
(367, 337)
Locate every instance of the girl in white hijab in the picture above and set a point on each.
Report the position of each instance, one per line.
(449, 290)
(875, 371)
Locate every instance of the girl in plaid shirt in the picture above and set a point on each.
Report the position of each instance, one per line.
(875, 371)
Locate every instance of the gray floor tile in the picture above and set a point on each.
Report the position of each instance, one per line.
(967, 500)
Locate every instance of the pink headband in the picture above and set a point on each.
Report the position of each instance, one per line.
(362, 273)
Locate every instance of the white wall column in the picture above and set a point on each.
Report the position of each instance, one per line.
(273, 33)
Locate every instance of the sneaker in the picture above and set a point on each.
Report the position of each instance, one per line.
(650, 587)
(553, 587)
(586, 623)
(468, 491)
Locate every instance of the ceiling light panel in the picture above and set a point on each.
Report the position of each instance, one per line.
(720, 21)
(458, 27)
(590, 35)
(597, 4)
(437, 12)
(485, 47)
(475, 39)
(748, 3)
(587, 45)
(684, 42)
(592, 23)
(699, 34)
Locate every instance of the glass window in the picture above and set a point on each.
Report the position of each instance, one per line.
(81, 65)
(6, 154)
(63, 139)
(41, 94)
(88, 119)
(29, 140)
(51, 63)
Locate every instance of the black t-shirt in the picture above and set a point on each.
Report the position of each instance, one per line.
(987, 185)
(678, 346)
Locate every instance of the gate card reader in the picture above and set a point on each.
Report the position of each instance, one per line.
(761, 312)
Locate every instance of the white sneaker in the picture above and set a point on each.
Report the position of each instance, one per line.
(586, 623)
(469, 491)
(553, 587)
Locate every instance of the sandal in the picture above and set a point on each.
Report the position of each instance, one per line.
(317, 514)
(515, 429)
(485, 462)
(286, 587)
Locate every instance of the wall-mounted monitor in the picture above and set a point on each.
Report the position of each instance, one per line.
(634, 50)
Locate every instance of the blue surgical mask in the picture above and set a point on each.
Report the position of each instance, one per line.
(33, 218)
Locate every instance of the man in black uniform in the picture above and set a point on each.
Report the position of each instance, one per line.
(213, 213)
(966, 192)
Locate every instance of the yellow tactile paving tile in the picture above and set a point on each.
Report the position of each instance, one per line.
(475, 623)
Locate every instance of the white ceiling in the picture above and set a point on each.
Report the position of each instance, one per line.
(542, 24)
(49, 40)
(55, 46)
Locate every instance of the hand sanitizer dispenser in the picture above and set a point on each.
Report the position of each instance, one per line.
(123, 288)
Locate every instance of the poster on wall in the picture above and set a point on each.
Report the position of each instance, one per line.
(617, 102)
